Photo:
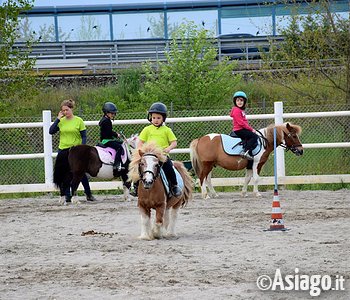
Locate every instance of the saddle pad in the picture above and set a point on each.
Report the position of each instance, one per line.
(124, 156)
(233, 146)
(106, 155)
(179, 179)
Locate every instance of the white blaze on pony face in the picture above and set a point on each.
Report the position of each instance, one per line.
(149, 170)
(212, 135)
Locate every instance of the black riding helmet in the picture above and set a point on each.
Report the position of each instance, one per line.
(159, 108)
(109, 107)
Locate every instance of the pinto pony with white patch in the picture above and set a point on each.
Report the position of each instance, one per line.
(73, 163)
(145, 168)
(207, 152)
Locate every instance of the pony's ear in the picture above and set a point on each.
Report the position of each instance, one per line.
(141, 153)
(288, 127)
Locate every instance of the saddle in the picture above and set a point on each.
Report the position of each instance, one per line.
(166, 184)
(234, 145)
(107, 154)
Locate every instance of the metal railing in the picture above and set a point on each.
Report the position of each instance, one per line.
(121, 53)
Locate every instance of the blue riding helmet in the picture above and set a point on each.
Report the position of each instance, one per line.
(240, 94)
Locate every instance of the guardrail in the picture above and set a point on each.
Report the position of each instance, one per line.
(278, 116)
(120, 53)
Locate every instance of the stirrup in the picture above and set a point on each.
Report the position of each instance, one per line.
(246, 155)
(117, 167)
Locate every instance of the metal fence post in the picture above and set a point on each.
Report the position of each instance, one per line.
(47, 147)
(281, 171)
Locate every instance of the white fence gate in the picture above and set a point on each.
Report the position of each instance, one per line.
(278, 117)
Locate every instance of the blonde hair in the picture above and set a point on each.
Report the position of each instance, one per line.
(69, 102)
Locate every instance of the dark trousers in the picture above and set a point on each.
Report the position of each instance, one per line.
(169, 172)
(117, 146)
(84, 182)
(249, 138)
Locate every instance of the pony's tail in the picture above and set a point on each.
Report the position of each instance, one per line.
(188, 182)
(61, 168)
(196, 163)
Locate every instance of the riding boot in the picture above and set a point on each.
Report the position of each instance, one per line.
(176, 191)
(117, 166)
(134, 191)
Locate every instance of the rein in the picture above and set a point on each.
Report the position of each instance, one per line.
(263, 139)
(126, 142)
(292, 148)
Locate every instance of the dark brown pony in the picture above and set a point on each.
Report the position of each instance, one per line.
(207, 152)
(145, 168)
(73, 163)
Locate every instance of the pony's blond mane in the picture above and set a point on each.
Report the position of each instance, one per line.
(147, 148)
(279, 131)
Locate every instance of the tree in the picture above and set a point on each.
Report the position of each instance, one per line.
(191, 78)
(318, 45)
(17, 81)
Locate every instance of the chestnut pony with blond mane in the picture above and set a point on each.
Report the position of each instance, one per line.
(207, 152)
(145, 168)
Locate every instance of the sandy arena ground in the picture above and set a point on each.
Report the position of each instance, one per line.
(91, 251)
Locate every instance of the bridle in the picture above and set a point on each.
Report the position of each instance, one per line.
(292, 147)
(154, 173)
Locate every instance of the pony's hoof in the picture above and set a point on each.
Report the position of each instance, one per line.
(128, 198)
(75, 200)
(62, 201)
(258, 195)
(157, 235)
(158, 230)
(145, 237)
(244, 194)
(205, 196)
(171, 236)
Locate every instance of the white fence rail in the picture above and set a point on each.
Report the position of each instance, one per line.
(278, 116)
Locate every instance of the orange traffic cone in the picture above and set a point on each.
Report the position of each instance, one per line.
(277, 222)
